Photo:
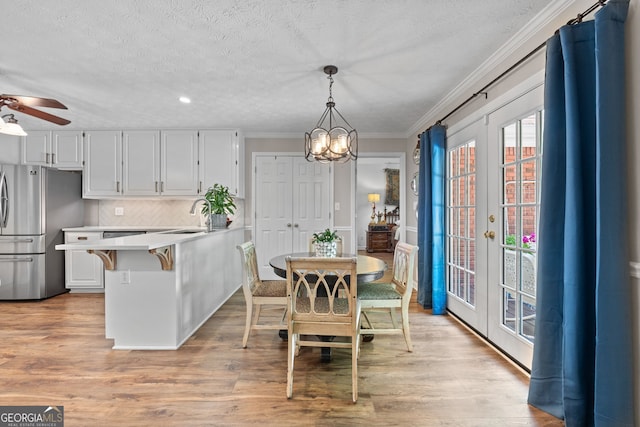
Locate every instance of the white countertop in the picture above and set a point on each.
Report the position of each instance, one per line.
(149, 228)
(140, 241)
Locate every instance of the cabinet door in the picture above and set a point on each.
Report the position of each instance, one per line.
(141, 163)
(179, 163)
(82, 269)
(36, 148)
(103, 164)
(218, 154)
(66, 150)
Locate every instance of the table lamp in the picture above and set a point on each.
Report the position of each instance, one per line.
(373, 198)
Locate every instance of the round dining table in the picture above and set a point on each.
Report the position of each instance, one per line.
(368, 269)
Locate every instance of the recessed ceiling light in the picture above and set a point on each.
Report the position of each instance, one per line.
(185, 100)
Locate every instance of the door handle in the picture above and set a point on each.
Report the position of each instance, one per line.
(156, 186)
(17, 241)
(16, 259)
(53, 158)
(490, 234)
(4, 200)
(117, 186)
(46, 158)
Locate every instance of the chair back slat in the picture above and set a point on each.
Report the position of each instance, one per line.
(319, 289)
(403, 268)
(250, 276)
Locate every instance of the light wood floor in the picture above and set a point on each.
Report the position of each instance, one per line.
(53, 352)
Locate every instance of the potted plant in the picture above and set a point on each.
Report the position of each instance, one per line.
(221, 203)
(326, 243)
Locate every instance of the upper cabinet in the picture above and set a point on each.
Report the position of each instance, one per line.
(221, 155)
(56, 149)
(102, 175)
(179, 163)
(171, 163)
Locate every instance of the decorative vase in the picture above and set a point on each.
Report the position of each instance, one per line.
(217, 221)
(326, 249)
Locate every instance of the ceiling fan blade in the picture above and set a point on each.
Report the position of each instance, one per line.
(33, 101)
(39, 114)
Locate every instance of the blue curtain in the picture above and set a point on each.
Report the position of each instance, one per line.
(432, 291)
(582, 360)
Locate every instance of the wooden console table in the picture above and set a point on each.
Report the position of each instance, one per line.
(379, 241)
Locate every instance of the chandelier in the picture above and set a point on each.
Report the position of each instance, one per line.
(338, 143)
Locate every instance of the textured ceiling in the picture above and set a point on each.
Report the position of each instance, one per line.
(252, 64)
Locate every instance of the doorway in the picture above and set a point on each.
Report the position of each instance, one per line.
(372, 173)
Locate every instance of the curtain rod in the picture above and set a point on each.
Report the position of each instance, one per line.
(482, 91)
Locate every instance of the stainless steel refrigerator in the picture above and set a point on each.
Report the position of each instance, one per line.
(35, 204)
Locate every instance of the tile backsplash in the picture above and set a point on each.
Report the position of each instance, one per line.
(156, 213)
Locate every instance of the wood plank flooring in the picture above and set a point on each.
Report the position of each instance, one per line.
(53, 352)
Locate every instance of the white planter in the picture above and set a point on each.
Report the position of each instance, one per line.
(326, 249)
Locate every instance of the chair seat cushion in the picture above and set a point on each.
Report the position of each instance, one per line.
(368, 291)
(271, 288)
(340, 305)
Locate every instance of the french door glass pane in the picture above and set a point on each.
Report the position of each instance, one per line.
(521, 142)
(461, 227)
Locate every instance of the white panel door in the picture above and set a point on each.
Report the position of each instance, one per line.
(311, 207)
(274, 210)
(292, 202)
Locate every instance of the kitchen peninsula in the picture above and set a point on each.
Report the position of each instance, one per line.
(161, 287)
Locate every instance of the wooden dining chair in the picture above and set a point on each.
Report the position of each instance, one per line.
(387, 297)
(259, 292)
(322, 302)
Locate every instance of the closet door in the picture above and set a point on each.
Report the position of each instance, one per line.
(291, 203)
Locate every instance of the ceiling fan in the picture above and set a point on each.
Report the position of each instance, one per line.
(25, 104)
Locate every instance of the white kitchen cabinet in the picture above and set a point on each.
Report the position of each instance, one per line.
(168, 163)
(141, 163)
(160, 163)
(221, 155)
(84, 272)
(57, 149)
(102, 175)
(179, 163)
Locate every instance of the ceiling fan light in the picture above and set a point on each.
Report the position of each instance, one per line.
(11, 126)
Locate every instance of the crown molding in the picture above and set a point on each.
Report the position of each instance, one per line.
(472, 82)
(300, 135)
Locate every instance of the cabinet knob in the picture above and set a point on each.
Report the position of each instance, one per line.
(289, 225)
(82, 238)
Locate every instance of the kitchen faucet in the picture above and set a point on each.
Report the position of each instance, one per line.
(193, 211)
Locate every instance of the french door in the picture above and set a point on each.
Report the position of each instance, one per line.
(493, 177)
(466, 203)
(292, 201)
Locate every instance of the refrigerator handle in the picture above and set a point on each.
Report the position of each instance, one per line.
(4, 200)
